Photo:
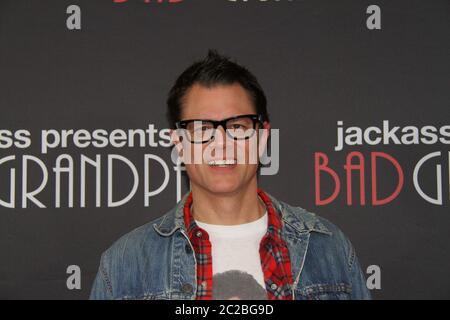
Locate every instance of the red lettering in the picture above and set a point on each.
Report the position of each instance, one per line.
(318, 167)
(375, 200)
(349, 167)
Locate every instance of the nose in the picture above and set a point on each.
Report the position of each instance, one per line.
(222, 146)
(219, 135)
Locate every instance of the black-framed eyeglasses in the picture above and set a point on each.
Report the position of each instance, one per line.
(238, 128)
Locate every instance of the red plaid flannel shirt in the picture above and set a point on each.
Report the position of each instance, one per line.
(275, 261)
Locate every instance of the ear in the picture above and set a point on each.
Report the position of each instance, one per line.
(263, 137)
(176, 139)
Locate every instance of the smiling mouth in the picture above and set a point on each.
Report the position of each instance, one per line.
(222, 163)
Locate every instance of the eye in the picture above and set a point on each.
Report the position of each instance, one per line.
(200, 127)
(205, 128)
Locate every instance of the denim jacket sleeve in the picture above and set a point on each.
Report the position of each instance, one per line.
(342, 247)
(101, 288)
(358, 281)
(359, 286)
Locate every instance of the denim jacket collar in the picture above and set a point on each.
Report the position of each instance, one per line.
(302, 222)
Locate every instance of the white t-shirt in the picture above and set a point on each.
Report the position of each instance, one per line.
(236, 263)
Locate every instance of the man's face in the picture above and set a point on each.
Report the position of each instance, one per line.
(218, 103)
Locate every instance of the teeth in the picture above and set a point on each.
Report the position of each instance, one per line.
(221, 162)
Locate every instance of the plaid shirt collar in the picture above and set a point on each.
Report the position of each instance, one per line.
(275, 261)
(274, 225)
(299, 222)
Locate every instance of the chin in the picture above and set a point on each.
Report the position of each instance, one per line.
(219, 183)
(218, 188)
(222, 187)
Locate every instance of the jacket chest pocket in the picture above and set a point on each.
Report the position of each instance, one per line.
(339, 291)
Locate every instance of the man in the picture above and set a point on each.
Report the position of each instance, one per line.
(227, 232)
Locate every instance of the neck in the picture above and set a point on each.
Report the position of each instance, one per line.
(238, 207)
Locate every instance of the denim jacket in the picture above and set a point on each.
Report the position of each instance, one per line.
(156, 260)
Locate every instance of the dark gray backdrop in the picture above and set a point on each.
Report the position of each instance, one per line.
(318, 64)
